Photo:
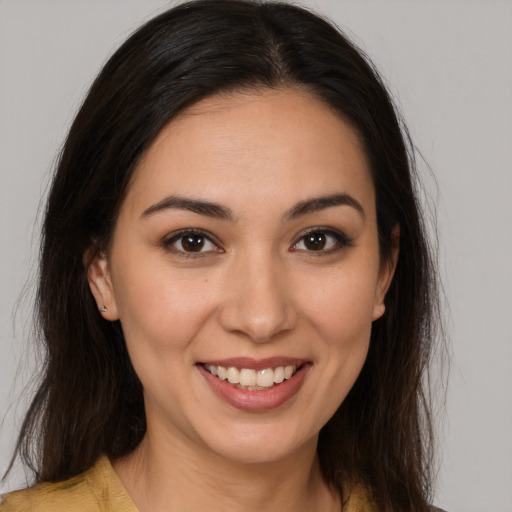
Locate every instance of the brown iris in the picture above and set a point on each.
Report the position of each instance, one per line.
(192, 242)
(315, 241)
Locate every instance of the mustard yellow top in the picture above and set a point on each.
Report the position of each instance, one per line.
(97, 490)
(100, 490)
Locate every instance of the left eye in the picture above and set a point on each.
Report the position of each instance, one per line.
(318, 241)
(191, 242)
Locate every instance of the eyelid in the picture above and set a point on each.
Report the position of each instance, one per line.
(173, 237)
(343, 240)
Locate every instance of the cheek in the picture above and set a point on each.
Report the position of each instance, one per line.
(160, 311)
(340, 305)
(340, 314)
(345, 327)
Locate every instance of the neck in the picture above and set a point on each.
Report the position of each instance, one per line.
(183, 476)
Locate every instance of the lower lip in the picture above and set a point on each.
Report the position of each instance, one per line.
(256, 401)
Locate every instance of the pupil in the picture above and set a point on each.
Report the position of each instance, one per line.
(192, 243)
(315, 241)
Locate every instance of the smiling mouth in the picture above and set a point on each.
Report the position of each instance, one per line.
(250, 379)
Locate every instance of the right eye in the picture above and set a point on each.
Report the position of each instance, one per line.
(190, 242)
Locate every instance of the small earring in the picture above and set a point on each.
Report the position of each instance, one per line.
(103, 309)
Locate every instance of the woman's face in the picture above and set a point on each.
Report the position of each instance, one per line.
(246, 247)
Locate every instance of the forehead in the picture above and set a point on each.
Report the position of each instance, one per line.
(273, 145)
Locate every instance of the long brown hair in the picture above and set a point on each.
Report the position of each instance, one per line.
(89, 401)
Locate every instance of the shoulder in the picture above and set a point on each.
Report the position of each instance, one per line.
(95, 490)
(359, 499)
(69, 495)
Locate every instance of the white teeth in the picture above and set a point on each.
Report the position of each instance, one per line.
(279, 375)
(233, 375)
(246, 378)
(265, 378)
(289, 371)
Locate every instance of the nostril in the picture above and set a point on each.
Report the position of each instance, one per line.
(260, 323)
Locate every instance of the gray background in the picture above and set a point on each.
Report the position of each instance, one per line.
(449, 65)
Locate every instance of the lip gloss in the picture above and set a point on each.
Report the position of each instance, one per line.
(260, 400)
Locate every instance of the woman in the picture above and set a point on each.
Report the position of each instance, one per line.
(236, 294)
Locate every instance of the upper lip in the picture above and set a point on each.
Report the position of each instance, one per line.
(256, 364)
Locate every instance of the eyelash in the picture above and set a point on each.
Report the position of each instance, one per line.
(180, 235)
(341, 240)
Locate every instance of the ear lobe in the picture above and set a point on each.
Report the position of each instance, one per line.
(101, 287)
(386, 273)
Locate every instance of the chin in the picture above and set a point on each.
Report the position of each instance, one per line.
(259, 444)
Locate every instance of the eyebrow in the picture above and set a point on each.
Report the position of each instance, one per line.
(321, 203)
(218, 211)
(198, 206)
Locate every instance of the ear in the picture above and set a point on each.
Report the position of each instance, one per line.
(100, 283)
(386, 272)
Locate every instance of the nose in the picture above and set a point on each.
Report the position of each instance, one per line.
(258, 301)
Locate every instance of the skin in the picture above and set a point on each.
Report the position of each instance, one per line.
(256, 290)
